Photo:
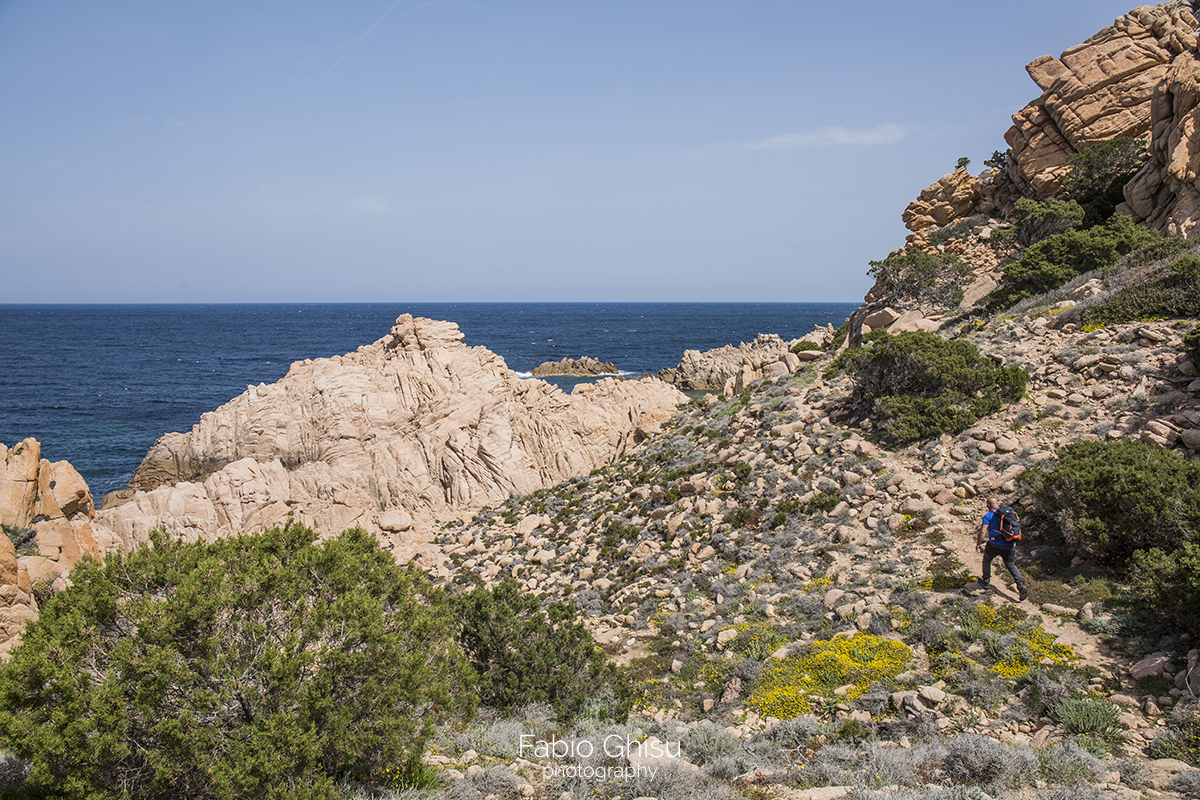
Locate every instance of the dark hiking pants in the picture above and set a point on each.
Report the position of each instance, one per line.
(1009, 554)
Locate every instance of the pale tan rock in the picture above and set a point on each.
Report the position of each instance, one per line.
(732, 367)
(881, 318)
(41, 570)
(19, 484)
(955, 195)
(416, 422)
(8, 562)
(1097, 91)
(69, 489)
(395, 520)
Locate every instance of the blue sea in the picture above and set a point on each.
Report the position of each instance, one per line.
(98, 384)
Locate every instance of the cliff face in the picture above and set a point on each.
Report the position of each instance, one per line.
(1139, 77)
(414, 427)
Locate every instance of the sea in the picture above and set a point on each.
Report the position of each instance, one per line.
(98, 384)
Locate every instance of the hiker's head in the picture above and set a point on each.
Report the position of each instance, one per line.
(992, 504)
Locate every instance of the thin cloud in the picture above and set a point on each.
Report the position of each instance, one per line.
(831, 135)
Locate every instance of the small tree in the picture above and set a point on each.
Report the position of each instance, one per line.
(998, 159)
(914, 276)
(962, 163)
(257, 666)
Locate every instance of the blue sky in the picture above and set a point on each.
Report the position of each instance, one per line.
(454, 150)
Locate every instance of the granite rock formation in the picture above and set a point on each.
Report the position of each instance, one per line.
(1096, 91)
(730, 369)
(46, 511)
(413, 428)
(1135, 78)
(585, 366)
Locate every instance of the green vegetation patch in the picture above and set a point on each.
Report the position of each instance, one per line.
(1168, 291)
(1057, 259)
(260, 665)
(1135, 509)
(933, 280)
(525, 655)
(786, 688)
(919, 385)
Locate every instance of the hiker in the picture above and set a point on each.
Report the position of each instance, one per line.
(998, 535)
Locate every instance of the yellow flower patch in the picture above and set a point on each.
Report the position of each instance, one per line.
(786, 688)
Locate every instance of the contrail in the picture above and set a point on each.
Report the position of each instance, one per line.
(369, 31)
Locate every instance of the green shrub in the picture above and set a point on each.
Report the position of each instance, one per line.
(1057, 259)
(933, 280)
(805, 345)
(1191, 343)
(823, 501)
(998, 159)
(1136, 509)
(1098, 176)
(1187, 265)
(24, 540)
(957, 229)
(256, 666)
(525, 655)
(1169, 580)
(1088, 715)
(1113, 498)
(1036, 221)
(919, 385)
(1182, 739)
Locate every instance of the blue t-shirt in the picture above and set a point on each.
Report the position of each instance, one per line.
(995, 538)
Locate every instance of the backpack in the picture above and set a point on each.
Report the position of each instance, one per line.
(1010, 524)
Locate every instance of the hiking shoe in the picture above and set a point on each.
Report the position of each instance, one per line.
(979, 586)
(1022, 592)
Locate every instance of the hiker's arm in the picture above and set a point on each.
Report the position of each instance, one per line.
(983, 537)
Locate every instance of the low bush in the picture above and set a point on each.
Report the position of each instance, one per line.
(526, 655)
(1170, 581)
(975, 758)
(1088, 714)
(919, 385)
(1113, 498)
(805, 345)
(1057, 259)
(784, 687)
(1163, 292)
(1133, 508)
(957, 229)
(256, 666)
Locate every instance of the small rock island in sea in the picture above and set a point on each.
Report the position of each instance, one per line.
(583, 367)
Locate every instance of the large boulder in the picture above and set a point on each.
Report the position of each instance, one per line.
(417, 423)
(586, 366)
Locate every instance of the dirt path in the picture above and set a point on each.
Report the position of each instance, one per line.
(960, 540)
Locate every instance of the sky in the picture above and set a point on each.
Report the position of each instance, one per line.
(458, 150)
